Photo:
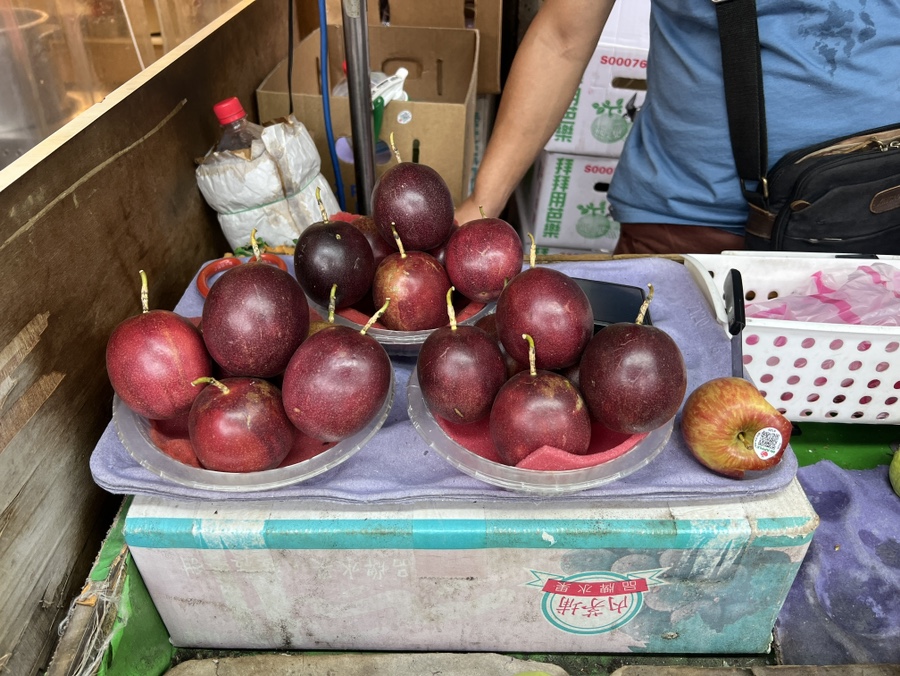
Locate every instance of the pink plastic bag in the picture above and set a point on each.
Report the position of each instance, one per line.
(868, 295)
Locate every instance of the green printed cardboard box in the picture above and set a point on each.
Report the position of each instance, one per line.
(603, 110)
(566, 205)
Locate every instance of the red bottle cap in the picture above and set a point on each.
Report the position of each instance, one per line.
(229, 110)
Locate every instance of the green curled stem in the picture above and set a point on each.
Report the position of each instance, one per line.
(209, 380)
(374, 318)
(532, 357)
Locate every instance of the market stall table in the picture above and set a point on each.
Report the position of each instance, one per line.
(397, 549)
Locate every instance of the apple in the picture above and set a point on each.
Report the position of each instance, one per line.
(380, 247)
(481, 256)
(414, 200)
(416, 285)
(254, 317)
(331, 253)
(151, 359)
(537, 408)
(549, 306)
(730, 428)
(894, 472)
(239, 425)
(632, 375)
(460, 369)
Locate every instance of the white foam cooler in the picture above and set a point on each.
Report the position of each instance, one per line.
(547, 575)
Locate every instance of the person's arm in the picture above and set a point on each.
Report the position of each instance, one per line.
(544, 75)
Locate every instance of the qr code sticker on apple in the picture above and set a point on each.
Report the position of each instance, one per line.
(767, 442)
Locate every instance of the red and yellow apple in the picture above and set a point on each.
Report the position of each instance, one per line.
(730, 427)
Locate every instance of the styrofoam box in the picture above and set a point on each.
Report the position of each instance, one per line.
(563, 204)
(474, 576)
(597, 122)
(810, 371)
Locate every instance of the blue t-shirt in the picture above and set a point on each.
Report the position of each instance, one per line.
(830, 68)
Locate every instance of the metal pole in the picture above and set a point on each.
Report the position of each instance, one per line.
(356, 46)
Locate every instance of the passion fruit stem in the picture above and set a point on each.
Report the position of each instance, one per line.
(145, 293)
(209, 380)
(532, 367)
(254, 244)
(532, 251)
(481, 209)
(320, 204)
(397, 239)
(380, 311)
(644, 306)
(450, 311)
(394, 148)
(332, 303)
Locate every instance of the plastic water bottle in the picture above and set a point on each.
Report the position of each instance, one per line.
(237, 131)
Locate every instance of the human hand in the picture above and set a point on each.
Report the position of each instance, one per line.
(470, 211)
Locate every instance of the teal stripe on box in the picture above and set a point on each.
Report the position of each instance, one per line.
(339, 534)
(449, 534)
(162, 533)
(784, 531)
(462, 533)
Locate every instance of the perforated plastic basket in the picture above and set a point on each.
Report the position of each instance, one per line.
(809, 371)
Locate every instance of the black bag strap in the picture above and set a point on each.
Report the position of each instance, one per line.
(744, 100)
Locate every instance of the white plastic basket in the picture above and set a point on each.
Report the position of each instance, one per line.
(809, 371)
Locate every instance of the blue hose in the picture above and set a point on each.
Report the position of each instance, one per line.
(326, 105)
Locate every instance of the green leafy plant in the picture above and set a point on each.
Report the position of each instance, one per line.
(247, 249)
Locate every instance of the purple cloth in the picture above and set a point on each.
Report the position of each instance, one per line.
(397, 465)
(844, 605)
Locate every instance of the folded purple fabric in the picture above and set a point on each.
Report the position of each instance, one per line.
(844, 605)
(397, 464)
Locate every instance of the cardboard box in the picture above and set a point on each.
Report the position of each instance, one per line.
(308, 18)
(601, 114)
(612, 88)
(524, 224)
(485, 112)
(484, 15)
(527, 576)
(628, 24)
(564, 203)
(435, 127)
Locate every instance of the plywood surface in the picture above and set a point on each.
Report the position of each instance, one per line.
(112, 193)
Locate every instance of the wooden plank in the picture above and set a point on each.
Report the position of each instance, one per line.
(111, 193)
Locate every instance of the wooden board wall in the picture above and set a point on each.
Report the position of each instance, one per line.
(112, 193)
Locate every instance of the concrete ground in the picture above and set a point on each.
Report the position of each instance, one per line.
(478, 664)
(367, 664)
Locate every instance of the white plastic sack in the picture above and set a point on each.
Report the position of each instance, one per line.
(274, 191)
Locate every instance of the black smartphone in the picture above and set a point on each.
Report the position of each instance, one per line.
(612, 303)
